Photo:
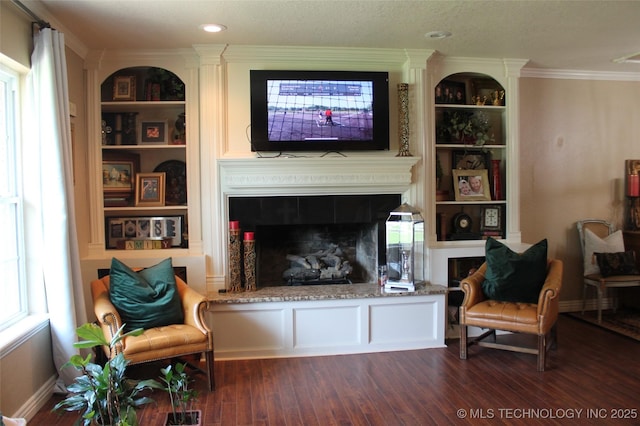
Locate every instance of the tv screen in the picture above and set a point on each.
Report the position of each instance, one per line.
(319, 110)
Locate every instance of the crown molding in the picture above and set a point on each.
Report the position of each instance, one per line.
(579, 74)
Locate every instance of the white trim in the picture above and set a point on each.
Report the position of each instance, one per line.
(17, 334)
(579, 75)
(30, 408)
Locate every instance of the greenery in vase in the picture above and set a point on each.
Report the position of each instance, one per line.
(469, 127)
(176, 384)
(104, 395)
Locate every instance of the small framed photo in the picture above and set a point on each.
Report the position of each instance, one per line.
(471, 185)
(469, 160)
(150, 189)
(450, 92)
(153, 132)
(124, 88)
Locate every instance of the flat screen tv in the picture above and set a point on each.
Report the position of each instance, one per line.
(319, 110)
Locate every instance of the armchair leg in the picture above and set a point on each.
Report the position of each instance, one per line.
(463, 341)
(210, 372)
(542, 351)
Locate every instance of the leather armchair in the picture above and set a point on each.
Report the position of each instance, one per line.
(530, 318)
(171, 341)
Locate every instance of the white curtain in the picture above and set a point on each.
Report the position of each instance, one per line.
(49, 191)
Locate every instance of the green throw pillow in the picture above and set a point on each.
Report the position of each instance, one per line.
(514, 277)
(147, 298)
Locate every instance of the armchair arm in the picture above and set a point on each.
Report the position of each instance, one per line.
(472, 287)
(106, 313)
(194, 305)
(549, 299)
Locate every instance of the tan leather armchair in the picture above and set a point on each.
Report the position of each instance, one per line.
(171, 341)
(530, 318)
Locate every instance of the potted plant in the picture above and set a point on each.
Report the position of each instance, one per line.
(104, 395)
(468, 127)
(176, 384)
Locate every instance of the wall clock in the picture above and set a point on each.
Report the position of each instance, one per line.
(491, 219)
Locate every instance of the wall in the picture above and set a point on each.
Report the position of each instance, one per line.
(575, 136)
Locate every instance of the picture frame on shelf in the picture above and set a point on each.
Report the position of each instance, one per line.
(139, 228)
(450, 92)
(124, 88)
(471, 185)
(119, 172)
(153, 132)
(150, 189)
(491, 220)
(470, 159)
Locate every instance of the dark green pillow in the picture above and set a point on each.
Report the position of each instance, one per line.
(147, 298)
(514, 277)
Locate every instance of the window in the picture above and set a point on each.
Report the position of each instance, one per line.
(13, 300)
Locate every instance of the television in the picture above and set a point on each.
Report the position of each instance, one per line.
(319, 110)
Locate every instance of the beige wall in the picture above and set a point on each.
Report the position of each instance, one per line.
(574, 138)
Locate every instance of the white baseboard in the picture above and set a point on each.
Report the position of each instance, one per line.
(38, 400)
(591, 305)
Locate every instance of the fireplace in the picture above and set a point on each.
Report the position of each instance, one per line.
(318, 239)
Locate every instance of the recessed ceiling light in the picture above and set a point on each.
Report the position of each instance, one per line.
(213, 28)
(437, 35)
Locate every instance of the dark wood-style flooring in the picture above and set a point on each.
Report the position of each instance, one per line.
(592, 378)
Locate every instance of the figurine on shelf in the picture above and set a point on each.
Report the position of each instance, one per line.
(498, 97)
(479, 100)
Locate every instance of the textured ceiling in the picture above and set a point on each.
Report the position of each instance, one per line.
(570, 35)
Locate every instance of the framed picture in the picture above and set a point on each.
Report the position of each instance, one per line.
(469, 160)
(153, 132)
(150, 189)
(450, 92)
(124, 88)
(118, 175)
(471, 185)
(120, 229)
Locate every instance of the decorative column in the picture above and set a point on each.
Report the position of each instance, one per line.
(235, 263)
(403, 118)
(249, 262)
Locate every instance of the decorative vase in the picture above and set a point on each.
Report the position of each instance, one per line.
(249, 262)
(235, 263)
(497, 183)
(403, 118)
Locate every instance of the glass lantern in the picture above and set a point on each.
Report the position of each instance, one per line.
(405, 248)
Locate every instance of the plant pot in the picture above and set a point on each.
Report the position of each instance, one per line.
(194, 417)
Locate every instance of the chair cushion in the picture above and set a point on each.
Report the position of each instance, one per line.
(620, 263)
(514, 277)
(613, 243)
(147, 298)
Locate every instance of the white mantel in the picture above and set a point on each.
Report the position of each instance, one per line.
(382, 173)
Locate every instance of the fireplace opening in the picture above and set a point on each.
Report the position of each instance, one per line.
(310, 240)
(317, 254)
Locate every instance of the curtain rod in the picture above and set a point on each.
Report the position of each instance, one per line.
(39, 21)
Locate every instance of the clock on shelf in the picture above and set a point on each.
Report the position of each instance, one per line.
(462, 225)
(491, 221)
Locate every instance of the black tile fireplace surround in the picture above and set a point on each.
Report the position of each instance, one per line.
(285, 225)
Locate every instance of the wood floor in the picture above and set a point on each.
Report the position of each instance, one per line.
(592, 378)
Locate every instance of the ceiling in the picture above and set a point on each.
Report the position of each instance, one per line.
(562, 34)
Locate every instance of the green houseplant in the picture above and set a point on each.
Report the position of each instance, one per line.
(104, 395)
(176, 383)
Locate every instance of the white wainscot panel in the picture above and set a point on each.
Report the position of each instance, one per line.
(261, 330)
(404, 322)
(326, 326)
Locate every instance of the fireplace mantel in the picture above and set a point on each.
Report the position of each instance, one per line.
(306, 175)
